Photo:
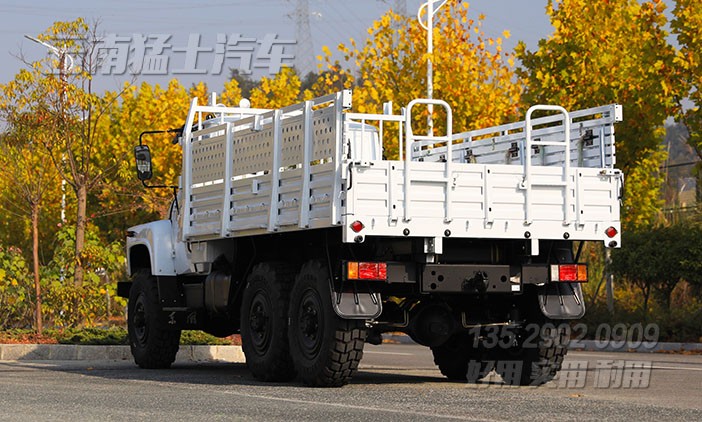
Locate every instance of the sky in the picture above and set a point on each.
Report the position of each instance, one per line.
(194, 24)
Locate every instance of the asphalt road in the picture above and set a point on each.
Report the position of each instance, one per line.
(396, 382)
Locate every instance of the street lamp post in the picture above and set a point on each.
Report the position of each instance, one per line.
(431, 11)
(65, 66)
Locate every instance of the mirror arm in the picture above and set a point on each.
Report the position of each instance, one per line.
(143, 182)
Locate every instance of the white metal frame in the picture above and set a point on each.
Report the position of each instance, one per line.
(255, 171)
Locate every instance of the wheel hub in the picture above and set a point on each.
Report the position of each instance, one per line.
(260, 323)
(139, 321)
(310, 324)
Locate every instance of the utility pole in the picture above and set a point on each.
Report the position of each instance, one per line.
(400, 7)
(304, 57)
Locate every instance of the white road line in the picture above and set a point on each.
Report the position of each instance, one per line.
(679, 368)
(356, 407)
(387, 353)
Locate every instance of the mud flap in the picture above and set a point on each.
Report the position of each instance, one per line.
(562, 300)
(351, 305)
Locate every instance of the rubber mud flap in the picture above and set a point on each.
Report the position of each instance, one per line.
(562, 300)
(350, 305)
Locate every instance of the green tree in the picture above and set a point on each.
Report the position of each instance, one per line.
(612, 51)
(25, 165)
(656, 260)
(70, 305)
(686, 26)
(15, 285)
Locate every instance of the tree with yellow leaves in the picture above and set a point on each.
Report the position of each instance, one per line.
(471, 71)
(612, 52)
(686, 26)
(280, 91)
(70, 114)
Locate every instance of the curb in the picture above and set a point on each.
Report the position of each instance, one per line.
(593, 345)
(234, 354)
(38, 352)
(639, 347)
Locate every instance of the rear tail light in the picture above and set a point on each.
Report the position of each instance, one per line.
(366, 271)
(611, 232)
(573, 273)
(357, 226)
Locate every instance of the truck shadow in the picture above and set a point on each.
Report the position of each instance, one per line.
(221, 374)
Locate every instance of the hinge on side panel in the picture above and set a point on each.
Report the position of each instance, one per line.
(513, 150)
(346, 98)
(611, 172)
(468, 156)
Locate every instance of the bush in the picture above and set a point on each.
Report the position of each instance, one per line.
(102, 336)
(16, 289)
(93, 336)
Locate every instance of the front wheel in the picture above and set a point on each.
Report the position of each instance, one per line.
(325, 348)
(153, 342)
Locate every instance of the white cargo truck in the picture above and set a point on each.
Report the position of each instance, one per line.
(290, 227)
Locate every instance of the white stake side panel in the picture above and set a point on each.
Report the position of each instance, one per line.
(488, 201)
(235, 161)
(591, 133)
(284, 170)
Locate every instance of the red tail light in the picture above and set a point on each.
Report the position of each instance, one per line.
(611, 232)
(572, 273)
(367, 271)
(357, 226)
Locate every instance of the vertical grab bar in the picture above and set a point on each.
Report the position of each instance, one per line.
(411, 138)
(527, 183)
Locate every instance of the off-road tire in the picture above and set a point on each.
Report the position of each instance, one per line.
(153, 342)
(325, 348)
(264, 322)
(459, 361)
(537, 363)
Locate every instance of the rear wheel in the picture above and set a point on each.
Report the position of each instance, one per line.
(264, 312)
(536, 360)
(325, 348)
(153, 342)
(458, 360)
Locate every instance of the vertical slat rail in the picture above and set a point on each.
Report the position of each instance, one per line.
(275, 171)
(307, 144)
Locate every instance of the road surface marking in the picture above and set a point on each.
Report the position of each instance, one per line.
(388, 353)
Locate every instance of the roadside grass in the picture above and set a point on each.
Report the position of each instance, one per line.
(102, 336)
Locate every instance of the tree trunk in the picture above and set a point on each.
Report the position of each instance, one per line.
(35, 259)
(646, 294)
(82, 197)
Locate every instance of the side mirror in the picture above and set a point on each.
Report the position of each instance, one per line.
(143, 162)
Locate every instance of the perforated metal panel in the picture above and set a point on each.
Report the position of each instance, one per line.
(324, 134)
(232, 186)
(208, 158)
(252, 151)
